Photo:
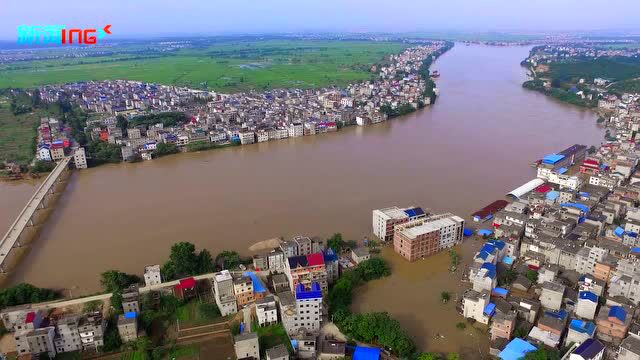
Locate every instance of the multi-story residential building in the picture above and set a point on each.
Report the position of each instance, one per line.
(267, 311)
(423, 237)
(483, 277)
(152, 275)
(247, 137)
(276, 261)
(278, 352)
(36, 342)
(502, 325)
(332, 265)
(613, 323)
(128, 326)
(223, 291)
(307, 269)
(243, 290)
(385, 220)
(579, 331)
(587, 304)
(629, 348)
(302, 309)
(552, 295)
(591, 349)
(80, 158)
(627, 286)
(57, 152)
(68, 337)
(280, 283)
(474, 304)
(296, 129)
(91, 328)
(130, 299)
(246, 346)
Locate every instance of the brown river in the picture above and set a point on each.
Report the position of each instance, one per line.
(472, 147)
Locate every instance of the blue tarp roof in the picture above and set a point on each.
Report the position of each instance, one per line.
(552, 195)
(618, 312)
(582, 208)
(467, 232)
(588, 295)
(632, 234)
(482, 255)
(257, 284)
(330, 255)
(487, 247)
(507, 260)
(497, 243)
(500, 291)
(130, 315)
(366, 353)
(619, 231)
(489, 309)
(581, 326)
(483, 232)
(492, 269)
(516, 350)
(552, 158)
(635, 250)
(562, 170)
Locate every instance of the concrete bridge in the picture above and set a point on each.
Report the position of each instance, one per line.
(31, 214)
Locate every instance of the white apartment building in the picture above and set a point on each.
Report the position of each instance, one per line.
(224, 293)
(267, 311)
(152, 275)
(473, 305)
(295, 130)
(384, 220)
(247, 137)
(302, 310)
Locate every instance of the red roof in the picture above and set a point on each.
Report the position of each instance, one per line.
(30, 317)
(315, 259)
(188, 283)
(543, 188)
(590, 162)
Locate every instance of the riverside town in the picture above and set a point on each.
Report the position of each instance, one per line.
(283, 183)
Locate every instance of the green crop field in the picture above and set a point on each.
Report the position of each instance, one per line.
(227, 67)
(16, 134)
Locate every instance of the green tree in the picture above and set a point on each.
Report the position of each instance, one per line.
(205, 262)
(184, 258)
(532, 275)
(372, 269)
(116, 302)
(336, 243)
(507, 277)
(461, 325)
(453, 356)
(92, 306)
(168, 271)
(25, 294)
(42, 166)
(122, 124)
(114, 280)
(228, 259)
(112, 340)
(445, 296)
(163, 149)
(542, 354)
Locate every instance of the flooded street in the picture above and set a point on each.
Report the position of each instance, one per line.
(469, 149)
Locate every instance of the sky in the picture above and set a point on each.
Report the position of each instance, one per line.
(148, 18)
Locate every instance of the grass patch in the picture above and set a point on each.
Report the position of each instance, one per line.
(229, 66)
(17, 134)
(270, 336)
(185, 352)
(191, 314)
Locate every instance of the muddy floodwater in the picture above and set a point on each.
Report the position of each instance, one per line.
(472, 147)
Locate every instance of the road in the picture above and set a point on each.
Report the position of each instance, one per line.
(12, 235)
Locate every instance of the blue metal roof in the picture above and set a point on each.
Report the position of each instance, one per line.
(560, 314)
(618, 312)
(482, 255)
(552, 195)
(413, 212)
(562, 170)
(619, 231)
(314, 293)
(589, 349)
(257, 284)
(588, 295)
(581, 326)
(483, 232)
(497, 243)
(488, 248)
(467, 232)
(500, 291)
(552, 158)
(507, 260)
(516, 350)
(582, 208)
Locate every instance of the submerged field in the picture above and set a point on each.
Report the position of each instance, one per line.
(227, 67)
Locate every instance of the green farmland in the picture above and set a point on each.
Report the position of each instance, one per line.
(227, 67)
